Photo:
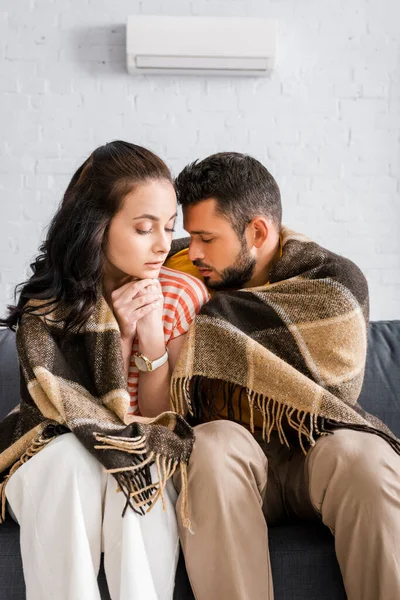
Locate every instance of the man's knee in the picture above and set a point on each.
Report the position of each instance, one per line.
(217, 443)
(226, 459)
(357, 462)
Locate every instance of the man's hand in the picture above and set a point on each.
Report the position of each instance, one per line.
(134, 301)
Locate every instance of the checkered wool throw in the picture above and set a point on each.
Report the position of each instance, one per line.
(295, 350)
(77, 383)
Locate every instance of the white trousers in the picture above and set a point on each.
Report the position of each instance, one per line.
(69, 512)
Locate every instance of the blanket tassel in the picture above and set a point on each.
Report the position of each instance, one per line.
(275, 414)
(140, 492)
(33, 449)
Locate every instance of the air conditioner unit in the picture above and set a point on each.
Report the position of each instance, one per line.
(202, 45)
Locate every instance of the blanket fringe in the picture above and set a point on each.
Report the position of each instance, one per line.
(35, 447)
(275, 414)
(185, 499)
(135, 481)
(180, 396)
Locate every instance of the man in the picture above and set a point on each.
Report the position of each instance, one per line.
(272, 369)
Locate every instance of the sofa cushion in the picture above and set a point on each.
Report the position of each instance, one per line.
(9, 372)
(380, 394)
(303, 562)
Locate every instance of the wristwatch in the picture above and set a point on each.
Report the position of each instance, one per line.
(146, 365)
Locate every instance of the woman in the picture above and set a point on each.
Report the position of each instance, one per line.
(100, 278)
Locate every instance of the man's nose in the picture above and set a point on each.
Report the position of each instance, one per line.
(195, 252)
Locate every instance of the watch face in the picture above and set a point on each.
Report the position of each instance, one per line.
(141, 364)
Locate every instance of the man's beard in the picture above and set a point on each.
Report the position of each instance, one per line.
(234, 277)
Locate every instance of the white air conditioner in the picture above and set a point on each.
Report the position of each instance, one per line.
(203, 45)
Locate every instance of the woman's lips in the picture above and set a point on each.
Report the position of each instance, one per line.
(155, 265)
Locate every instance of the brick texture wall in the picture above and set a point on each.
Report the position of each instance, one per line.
(326, 123)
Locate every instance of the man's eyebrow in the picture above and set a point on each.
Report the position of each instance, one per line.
(153, 217)
(200, 232)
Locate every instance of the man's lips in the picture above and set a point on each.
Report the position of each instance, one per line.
(204, 271)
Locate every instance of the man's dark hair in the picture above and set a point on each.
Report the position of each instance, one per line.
(242, 187)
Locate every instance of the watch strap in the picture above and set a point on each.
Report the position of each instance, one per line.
(159, 362)
(152, 365)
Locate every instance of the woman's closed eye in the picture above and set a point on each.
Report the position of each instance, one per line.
(146, 231)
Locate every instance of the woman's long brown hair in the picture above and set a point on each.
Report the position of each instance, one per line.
(69, 268)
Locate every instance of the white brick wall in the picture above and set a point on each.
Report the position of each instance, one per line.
(326, 123)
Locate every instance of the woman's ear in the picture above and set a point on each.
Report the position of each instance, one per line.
(259, 227)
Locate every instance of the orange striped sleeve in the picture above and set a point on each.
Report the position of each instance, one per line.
(186, 295)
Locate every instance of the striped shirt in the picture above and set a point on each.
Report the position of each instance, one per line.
(184, 295)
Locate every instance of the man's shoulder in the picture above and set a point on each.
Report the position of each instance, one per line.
(344, 266)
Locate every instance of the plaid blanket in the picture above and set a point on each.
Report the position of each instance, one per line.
(294, 350)
(77, 383)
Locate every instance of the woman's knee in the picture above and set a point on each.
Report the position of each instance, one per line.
(63, 457)
(63, 469)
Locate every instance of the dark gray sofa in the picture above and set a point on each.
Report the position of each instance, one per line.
(302, 554)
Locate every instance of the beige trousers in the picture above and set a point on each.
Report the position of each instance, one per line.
(350, 480)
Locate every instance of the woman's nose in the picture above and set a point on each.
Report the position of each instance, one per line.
(163, 244)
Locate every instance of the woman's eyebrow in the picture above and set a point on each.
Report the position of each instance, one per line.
(153, 217)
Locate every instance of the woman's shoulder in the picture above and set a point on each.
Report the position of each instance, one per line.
(46, 310)
(183, 282)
